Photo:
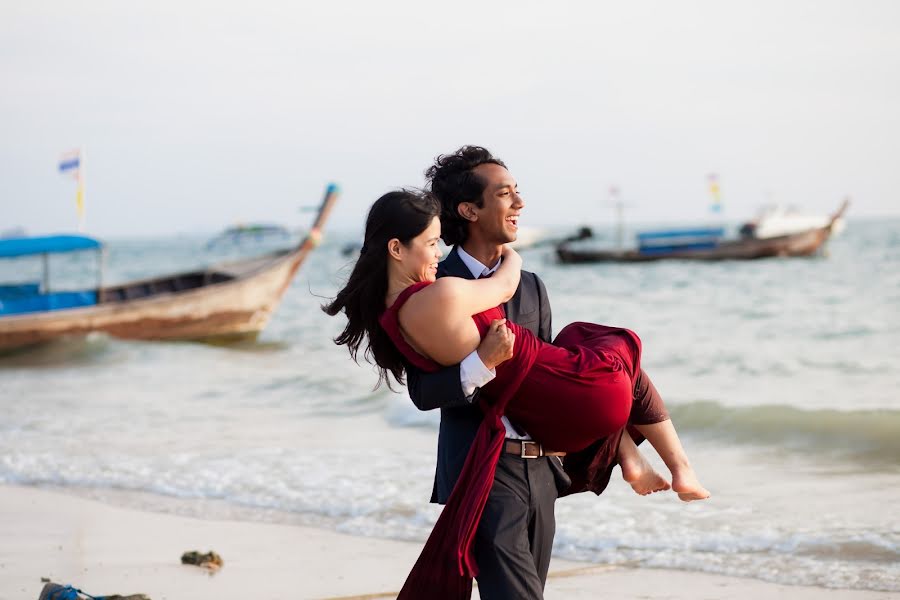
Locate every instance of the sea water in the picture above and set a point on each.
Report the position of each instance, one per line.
(781, 376)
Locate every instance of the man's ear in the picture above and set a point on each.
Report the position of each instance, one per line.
(393, 247)
(467, 211)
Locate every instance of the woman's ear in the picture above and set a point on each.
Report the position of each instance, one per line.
(393, 247)
(466, 211)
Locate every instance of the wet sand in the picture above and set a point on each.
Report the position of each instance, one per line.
(105, 550)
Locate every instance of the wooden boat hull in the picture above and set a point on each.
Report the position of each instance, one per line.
(239, 307)
(230, 301)
(800, 244)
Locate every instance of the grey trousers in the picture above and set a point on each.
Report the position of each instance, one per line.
(515, 535)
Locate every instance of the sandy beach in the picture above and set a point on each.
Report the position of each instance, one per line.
(104, 549)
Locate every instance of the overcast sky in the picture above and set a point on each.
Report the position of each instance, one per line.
(197, 115)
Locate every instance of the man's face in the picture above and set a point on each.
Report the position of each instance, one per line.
(498, 219)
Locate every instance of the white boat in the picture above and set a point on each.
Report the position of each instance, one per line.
(529, 237)
(779, 220)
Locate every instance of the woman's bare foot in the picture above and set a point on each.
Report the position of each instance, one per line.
(664, 439)
(687, 486)
(640, 474)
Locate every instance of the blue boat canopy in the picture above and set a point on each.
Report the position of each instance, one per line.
(697, 232)
(51, 244)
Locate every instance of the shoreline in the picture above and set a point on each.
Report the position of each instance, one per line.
(105, 549)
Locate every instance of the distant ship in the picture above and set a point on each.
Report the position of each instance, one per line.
(705, 243)
(251, 234)
(531, 237)
(15, 232)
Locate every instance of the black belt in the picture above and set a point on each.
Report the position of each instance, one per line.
(528, 449)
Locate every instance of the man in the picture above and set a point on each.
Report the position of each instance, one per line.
(480, 206)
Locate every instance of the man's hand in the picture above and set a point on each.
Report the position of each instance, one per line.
(497, 345)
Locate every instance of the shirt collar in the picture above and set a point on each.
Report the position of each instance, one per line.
(474, 265)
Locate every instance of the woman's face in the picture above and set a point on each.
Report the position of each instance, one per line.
(420, 257)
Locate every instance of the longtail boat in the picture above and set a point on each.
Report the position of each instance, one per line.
(223, 302)
(805, 243)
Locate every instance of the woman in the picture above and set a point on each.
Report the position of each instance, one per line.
(567, 395)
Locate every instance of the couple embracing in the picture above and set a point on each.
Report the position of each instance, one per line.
(525, 417)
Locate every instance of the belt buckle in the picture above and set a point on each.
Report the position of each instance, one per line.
(522, 452)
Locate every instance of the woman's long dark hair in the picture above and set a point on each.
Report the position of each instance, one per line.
(403, 214)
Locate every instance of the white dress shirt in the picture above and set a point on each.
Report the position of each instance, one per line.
(473, 373)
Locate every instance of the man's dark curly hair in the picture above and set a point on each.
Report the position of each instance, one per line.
(452, 181)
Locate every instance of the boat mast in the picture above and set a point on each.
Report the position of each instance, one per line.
(79, 195)
(715, 192)
(101, 265)
(45, 259)
(616, 200)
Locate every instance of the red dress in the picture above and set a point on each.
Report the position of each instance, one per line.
(568, 395)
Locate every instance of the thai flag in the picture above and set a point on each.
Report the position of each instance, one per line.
(70, 162)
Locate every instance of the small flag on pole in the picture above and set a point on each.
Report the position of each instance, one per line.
(715, 193)
(79, 200)
(72, 163)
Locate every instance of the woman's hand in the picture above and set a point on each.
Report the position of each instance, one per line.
(497, 345)
(509, 273)
(511, 255)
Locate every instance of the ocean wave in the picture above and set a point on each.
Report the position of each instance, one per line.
(400, 412)
(870, 435)
(873, 435)
(386, 494)
(847, 332)
(79, 351)
(847, 365)
(799, 559)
